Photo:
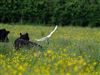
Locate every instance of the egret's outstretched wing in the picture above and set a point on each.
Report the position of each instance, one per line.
(42, 39)
(48, 36)
(52, 32)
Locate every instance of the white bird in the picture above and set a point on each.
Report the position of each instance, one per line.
(48, 36)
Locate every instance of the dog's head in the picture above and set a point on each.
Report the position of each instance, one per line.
(24, 36)
(4, 35)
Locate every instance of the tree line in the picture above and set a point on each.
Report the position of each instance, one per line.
(60, 12)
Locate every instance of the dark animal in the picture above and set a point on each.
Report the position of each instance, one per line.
(24, 36)
(23, 41)
(4, 35)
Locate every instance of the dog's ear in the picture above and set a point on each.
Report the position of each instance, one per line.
(8, 31)
(20, 34)
(3, 29)
(27, 34)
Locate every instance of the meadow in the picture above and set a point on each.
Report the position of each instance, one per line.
(71, 51)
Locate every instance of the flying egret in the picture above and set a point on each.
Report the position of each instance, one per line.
(48, 36)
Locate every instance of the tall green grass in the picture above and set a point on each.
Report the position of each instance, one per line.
(71, 51)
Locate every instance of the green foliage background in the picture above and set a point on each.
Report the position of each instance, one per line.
(61, 12)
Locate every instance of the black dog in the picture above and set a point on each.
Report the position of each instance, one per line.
(23, 41)
(4, 35)
(24, 36)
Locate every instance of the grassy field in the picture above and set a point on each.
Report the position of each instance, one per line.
(71, 51)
